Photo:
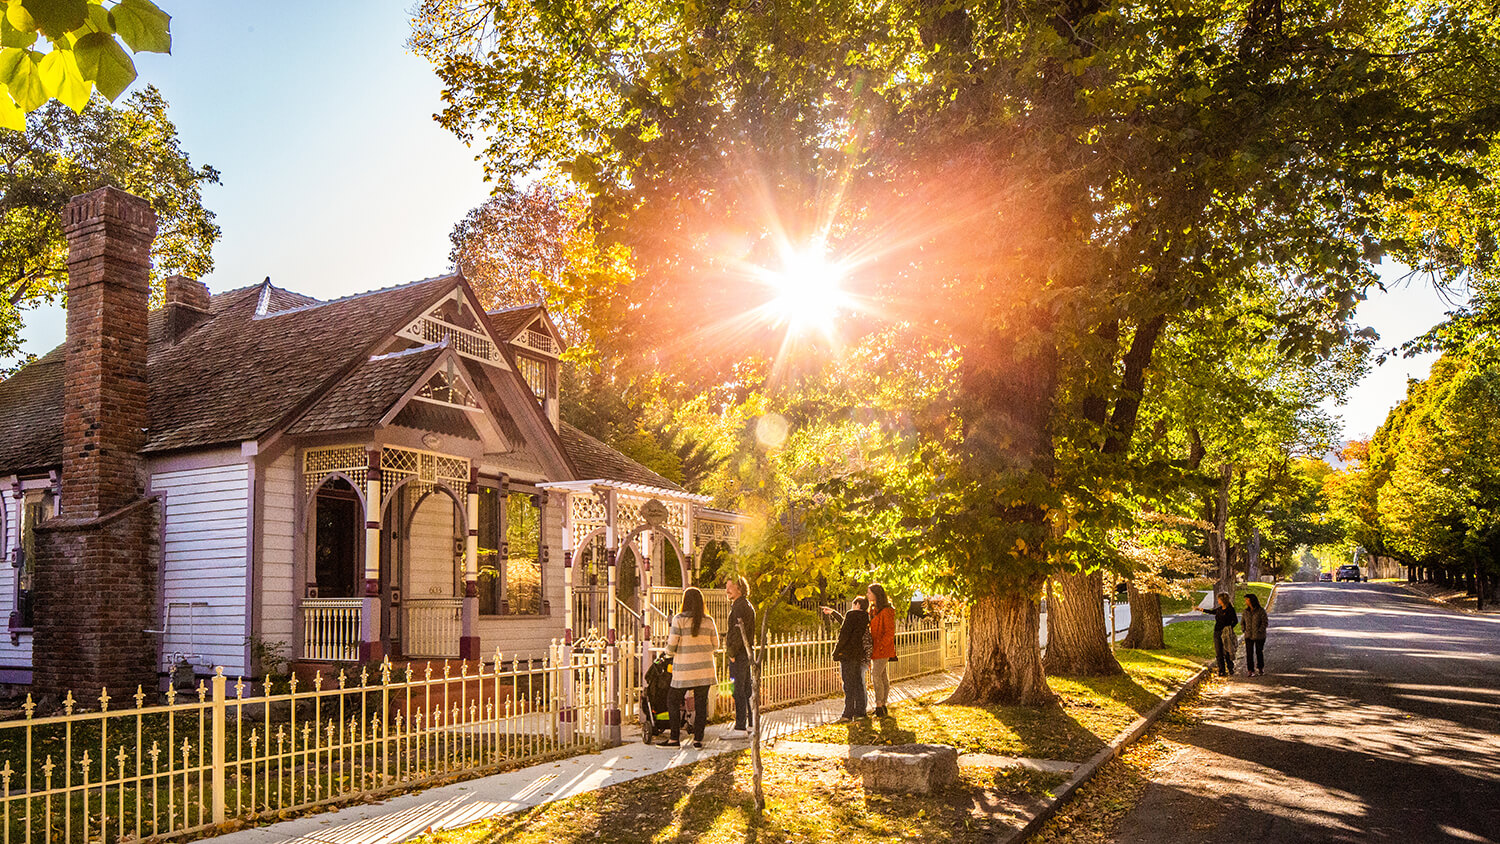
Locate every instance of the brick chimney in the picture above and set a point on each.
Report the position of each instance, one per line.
(187, 305)
(95, 568)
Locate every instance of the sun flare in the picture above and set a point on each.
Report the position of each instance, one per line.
(808, 291)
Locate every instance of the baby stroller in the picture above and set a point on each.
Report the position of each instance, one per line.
(655, 714)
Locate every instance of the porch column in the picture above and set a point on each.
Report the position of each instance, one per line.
(690, 513)
(567, 546)
(612, 707)
(468, 643)
(611, 554)
(371, 641)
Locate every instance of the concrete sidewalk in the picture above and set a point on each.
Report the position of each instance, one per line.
(449, 806)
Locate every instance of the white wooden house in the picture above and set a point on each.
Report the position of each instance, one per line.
(383, 475)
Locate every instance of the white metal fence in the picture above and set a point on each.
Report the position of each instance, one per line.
(226, 752)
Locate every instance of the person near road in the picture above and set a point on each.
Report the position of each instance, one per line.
(1253, 623)
(691, 643)
(882, 645)
(1224, 619)
(739, 639)
(850, 653)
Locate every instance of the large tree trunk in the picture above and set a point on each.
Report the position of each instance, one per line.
(1005, 657)
(1077, 644)
(1145, 621)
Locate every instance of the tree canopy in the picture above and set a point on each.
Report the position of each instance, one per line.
(62, 154)
(1041, 190)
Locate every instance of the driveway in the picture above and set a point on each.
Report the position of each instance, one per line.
(1378, 720)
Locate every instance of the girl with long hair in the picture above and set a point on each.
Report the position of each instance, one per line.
(691, 643)
(882, 644)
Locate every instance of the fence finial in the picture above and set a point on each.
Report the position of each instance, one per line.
(104, 699)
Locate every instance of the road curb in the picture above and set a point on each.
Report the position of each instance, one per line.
(1087, 770)
(1271, 601)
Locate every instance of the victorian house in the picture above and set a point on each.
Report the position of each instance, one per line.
(384, 475)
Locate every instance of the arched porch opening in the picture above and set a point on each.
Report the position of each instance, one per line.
(423, 527)
(335, 531)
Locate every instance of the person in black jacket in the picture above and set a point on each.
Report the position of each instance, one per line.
(1224, 619)
(739, 639)
(851, 656)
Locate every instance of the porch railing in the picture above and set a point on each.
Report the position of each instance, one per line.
(330, 629)
(433, 627)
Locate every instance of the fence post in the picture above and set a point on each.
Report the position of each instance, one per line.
(612, 736)
(219, 691)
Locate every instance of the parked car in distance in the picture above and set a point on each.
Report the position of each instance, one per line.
(1325, 577)
(1349, 573)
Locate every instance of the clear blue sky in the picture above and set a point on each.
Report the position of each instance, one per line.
(336, 179)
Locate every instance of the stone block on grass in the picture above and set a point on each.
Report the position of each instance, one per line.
(911, 768)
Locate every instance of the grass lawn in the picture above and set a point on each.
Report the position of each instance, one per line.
(807, 800)
(1177, 606)
(1090, 711)
(811, 799)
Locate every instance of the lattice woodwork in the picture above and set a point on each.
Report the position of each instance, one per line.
(429, 468)
(539, 341)
(470, 344)
(319, 463)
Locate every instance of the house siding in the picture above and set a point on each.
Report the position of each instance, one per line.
(205, 529)
(278, 590)
(15, 652)
(433, 532)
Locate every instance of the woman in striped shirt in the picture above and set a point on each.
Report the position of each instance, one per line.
(691, 644)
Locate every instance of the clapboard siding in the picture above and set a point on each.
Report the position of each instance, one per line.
(278, 529)
(433, 531)
(205, 540)
(523, 636)
(17, 655)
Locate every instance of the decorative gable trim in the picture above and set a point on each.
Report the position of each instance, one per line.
(447, 387)
(541, 342)
(438, 325)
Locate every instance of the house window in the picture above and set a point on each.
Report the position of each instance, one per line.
(510, 573)
(35, 507)
(535, 373)
(491, 585)
(523, 561)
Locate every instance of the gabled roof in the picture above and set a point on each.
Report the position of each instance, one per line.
(596, 461)
(261, 357)
(241, 374)
(508, 322)
(364, 398)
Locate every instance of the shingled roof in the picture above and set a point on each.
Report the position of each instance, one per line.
(595, 460)
(508, 322)
(362, 399)
(261, 356)
(267, 358)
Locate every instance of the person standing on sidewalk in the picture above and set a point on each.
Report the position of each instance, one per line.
(738, 643)
(850, 654)
(691, 643)
(1224, 619)
(1254, 623)
(882, 645)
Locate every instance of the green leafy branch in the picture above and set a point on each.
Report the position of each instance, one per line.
(86, 51)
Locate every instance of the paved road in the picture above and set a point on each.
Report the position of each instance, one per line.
(1378, 720)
